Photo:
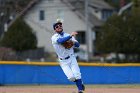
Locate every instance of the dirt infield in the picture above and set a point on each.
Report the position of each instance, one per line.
(71, 89)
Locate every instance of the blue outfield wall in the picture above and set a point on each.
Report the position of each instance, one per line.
(53, 74)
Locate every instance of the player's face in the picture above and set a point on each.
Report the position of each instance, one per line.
(58, 28)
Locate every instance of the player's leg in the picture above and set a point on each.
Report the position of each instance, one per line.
(67, 70)
(76, 71)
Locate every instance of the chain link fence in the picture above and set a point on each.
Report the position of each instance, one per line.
(8, 54)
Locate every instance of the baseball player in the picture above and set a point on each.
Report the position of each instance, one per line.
(63, 44)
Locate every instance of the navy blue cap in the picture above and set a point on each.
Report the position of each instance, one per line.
(55, 24)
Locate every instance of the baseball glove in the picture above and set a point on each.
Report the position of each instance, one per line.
(68, 44)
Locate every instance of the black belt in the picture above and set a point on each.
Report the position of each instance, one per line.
(65, 58)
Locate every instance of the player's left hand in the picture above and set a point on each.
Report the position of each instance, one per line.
(68, 44)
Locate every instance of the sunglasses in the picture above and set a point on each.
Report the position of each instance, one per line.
(58, 26)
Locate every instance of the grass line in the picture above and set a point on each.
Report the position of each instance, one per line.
(70, 86)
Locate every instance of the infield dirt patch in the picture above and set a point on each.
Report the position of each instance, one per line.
(66, 89)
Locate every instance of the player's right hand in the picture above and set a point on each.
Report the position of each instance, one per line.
(74, 33)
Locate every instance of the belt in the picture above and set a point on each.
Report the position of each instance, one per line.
(65, 58)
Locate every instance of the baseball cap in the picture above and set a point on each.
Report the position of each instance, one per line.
(55, 24)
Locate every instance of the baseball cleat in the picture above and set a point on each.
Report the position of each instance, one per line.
(83, 87)
(80, 92)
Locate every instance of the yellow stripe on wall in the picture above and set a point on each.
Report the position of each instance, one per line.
(56, 63)
(109, 64)
(29, 63)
